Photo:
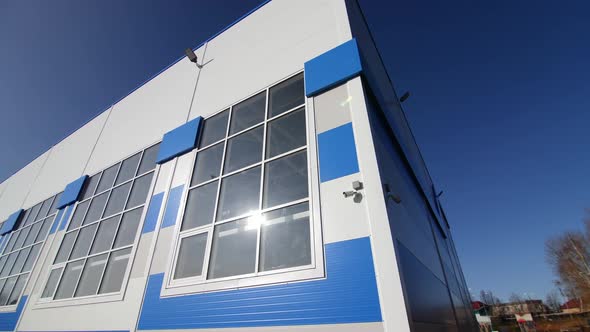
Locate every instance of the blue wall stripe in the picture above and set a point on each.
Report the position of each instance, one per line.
(56, 221)
(337, 153)
(151, 217)
(334, 67)
(347, 295)
(76, 331)
(66, 217)
(172, 206)
(8, 320)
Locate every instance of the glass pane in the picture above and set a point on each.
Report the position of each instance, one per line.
(33, 233)
(69, 280)
(148, 161)
(191, 256)
(117, 199)
(51, 283)
(105, 235)
(10, 245)
(9, 263)
(286, 133)
(128, 229)
(2, 282)
(21, 238)
(45, 208)
(91, 276)
(2, 261)
(18, 288)
(239, 194)
(128, 168)
(32, 216)
(234, 249)
(243, 150)
(83, 241)
(45, 229)
(53, 208)
(115, 271)
(208, 164)
(286, 95)
(248, 113)
(79, 215)
(20, 261)
(24, 217)
(214, 129)
(66, 247)
(285, 179)
(108, 178)
(6, 290)
(32, 257)
(90, 186)
(285, 238)
(96, 208)
(200, 206)
(141, 187)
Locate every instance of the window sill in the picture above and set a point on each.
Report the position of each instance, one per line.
(9, 308)
(95, 299)
(237, 283)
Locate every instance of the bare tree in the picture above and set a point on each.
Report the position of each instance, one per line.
(569, 255)
(553, 301)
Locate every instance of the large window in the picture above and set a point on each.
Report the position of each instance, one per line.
(95, 252)
(247, 208)
(21, 248)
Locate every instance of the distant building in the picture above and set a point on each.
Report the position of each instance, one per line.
(571, 307)
(512, 308)
(481, 308)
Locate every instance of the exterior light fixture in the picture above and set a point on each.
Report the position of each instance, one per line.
(403, 98)
(192, 57)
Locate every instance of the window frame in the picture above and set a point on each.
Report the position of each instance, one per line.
(315, 269)
(51, 215)
(50, 302)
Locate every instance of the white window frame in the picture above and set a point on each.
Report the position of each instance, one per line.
(4, 244)
(49, 302)
(172, 287)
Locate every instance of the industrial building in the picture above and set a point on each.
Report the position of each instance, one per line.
(271, 185)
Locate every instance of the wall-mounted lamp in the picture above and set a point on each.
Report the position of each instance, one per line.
(404, 97)
(192, 57)
(389, 194)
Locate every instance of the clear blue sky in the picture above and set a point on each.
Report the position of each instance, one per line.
(500, 102)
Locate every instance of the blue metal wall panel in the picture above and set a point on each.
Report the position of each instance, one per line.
(76, 331)
(56, 221)
(72, 192)
(337, 153)
(172, 206)
(151, 217)
(348, 294)
(179, 140)
(332, 68)
(8, 320)
(66, 217)
(10, 223)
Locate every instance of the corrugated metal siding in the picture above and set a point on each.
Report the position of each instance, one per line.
(348, 295)
(8, 320)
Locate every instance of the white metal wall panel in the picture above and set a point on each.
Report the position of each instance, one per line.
(270, 44)
(67, 160)
(17, 187)
(144, 116)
